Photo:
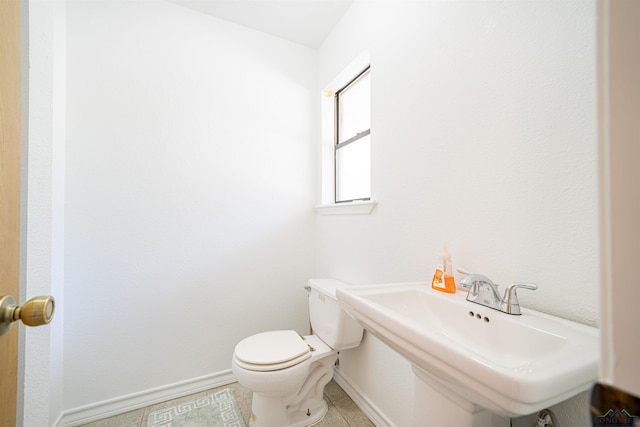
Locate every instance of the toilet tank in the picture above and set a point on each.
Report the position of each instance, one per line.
(328, 320)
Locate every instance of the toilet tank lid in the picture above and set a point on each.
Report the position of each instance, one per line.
(327, 286)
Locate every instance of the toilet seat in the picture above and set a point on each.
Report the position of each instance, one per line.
(271, 351)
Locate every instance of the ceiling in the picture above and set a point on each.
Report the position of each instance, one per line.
(307, 22)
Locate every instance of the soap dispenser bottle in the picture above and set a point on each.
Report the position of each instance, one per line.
(443, 279)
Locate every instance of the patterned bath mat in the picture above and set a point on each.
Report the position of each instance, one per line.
(218, 409)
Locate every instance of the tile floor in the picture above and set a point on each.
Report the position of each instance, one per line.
(342, 411)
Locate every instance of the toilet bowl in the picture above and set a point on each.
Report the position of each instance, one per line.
(287, 372)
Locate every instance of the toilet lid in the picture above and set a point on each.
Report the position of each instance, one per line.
(269, 351)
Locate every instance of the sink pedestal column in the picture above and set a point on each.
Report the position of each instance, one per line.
(436, 405)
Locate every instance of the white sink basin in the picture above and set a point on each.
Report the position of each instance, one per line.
(510, 365)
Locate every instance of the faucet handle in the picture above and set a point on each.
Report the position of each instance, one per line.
(510, 302)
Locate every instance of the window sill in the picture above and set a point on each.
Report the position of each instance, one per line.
(350, 208)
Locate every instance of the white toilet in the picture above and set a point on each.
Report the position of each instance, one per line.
(288, 372)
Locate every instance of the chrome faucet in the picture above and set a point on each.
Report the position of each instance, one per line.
(484, 292)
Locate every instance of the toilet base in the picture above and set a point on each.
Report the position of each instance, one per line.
(309, 416)
(303, 407)
(267, 412)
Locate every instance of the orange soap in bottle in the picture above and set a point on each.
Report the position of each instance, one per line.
(443, 279)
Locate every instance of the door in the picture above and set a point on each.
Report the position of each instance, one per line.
(617, 400)
(10, 110)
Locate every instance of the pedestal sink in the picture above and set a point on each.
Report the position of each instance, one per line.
(476, 366)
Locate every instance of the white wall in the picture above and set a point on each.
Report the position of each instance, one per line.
(189, 199)
(179, 203)
(483, 135)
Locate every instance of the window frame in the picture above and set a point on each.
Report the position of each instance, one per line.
(338, 145)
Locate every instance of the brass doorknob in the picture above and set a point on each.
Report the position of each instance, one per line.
(35, 312)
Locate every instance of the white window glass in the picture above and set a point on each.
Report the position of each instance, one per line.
(354, 109)
(353, 140)
(353, 170)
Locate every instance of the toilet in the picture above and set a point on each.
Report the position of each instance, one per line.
(287, 372)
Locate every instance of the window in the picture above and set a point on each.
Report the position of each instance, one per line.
(352, 155)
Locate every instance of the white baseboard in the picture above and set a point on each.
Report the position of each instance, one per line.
(122, 404)
(376, 416)
(58, 421)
